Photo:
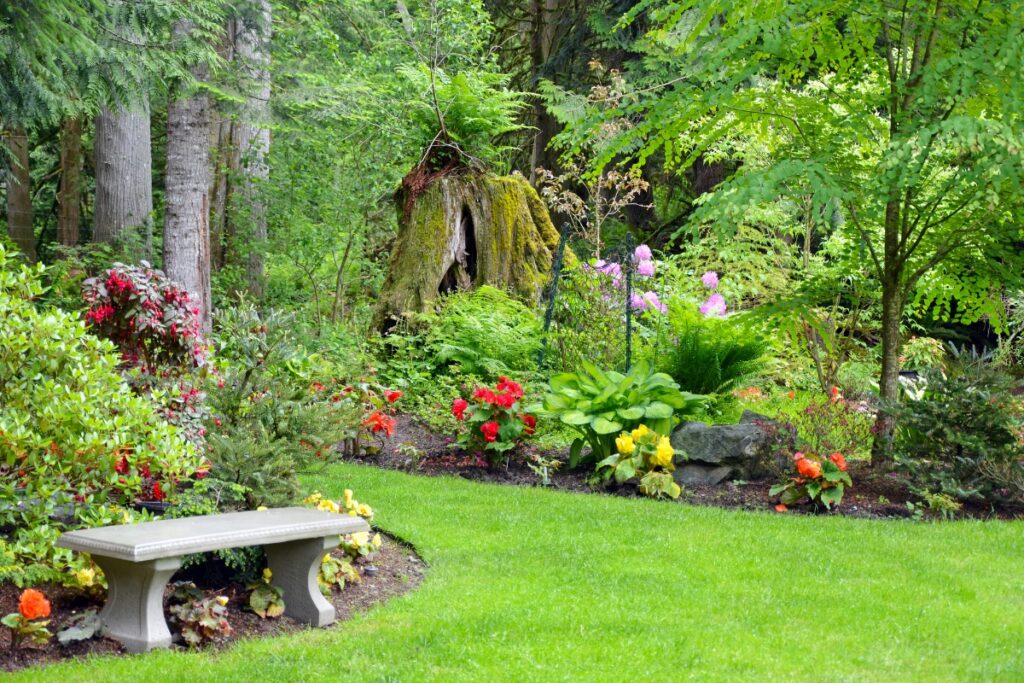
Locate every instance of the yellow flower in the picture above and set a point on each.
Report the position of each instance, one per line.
(360, 538)
(640, 432)
(376, 543)
(221, 600)
(86, 578)
(348, 498)
(664, 453)
(328, 505)
(364, 510)
(313, 498)
(267, 575)
(262, 508)
(327, 558)
(625, 444)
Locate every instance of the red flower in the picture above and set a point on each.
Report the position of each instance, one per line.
(122, 466)
(505, 400)
(514, 388)
(144, 471)
(531, 424)
(158, 493)
(490, 431)
(834, 393)
(485, 395)
(808, 468)
(839, 461)
(33, 605)
(392, 396)
(379, 422)
(459, 406)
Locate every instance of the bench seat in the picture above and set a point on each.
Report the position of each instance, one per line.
(139, 559)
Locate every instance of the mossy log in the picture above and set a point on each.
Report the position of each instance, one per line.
(462, 231)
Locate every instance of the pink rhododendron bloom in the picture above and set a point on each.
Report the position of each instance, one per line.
(637, 302)
(710, 279)
(714, 306)
(611, 268)
(652, 301)
(645, 268)
(643, 253)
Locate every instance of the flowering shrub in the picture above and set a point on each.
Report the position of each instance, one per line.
(25, 624)
(495, 419)
(714, 306)
(71, 431)
(646, 454)
(146, 315)
(816, 480)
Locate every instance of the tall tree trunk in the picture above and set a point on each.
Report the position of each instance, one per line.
(221, 161)
(542, 36)
(251, 136)
(124, 174)
(69, 195)
(19, 194)
(187, 188)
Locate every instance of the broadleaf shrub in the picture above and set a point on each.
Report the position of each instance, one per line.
(963, 438)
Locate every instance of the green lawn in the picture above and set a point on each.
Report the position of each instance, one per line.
(533, 585)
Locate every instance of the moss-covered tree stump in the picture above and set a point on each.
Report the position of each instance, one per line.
(462, 231)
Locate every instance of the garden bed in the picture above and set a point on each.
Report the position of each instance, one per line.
(875, 494)
(394, 570)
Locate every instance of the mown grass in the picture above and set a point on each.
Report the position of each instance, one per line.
(534, 585)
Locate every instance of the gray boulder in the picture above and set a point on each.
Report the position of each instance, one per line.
(717, 453)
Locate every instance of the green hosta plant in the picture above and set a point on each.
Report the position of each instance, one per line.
(600, 404)
(266, 600)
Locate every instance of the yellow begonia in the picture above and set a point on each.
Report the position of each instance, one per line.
(86, 578)
(640, 432)
(222, 600)
(328, 505)
(364, 510)
(624, 444)
(360, 538)
(267, 575)
(376, 542)
(664, 453)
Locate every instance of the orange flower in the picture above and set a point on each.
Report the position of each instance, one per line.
(808, 468)
(839, 460)
(33, 605)
(791, 394)
(781, 508)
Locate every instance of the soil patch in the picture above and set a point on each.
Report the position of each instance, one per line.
(395, 569)
(875, 494)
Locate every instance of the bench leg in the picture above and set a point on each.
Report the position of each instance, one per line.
(295, 566)
(134, 611)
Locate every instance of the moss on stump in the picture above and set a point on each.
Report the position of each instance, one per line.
(466, 230)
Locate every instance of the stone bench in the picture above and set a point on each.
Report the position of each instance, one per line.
(139, 559)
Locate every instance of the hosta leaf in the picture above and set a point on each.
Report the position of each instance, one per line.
(602, 425)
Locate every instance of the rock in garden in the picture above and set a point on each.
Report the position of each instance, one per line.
(717, 453)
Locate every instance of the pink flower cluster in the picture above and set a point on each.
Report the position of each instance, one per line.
(714, 306)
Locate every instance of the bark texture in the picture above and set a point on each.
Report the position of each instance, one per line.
(250, 137)
(69, 195)
(466, 230)
(19, 194)
(124, 173)
(187, 211)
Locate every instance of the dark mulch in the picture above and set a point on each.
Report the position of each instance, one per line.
(875, 494)
(395, 569)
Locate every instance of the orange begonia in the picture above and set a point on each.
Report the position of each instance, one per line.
(33, 605)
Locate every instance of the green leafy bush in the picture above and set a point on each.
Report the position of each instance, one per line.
(485, 332)
(599, 404)
(710, 356)
(272, 415)
(961, 438)
(70, 428)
